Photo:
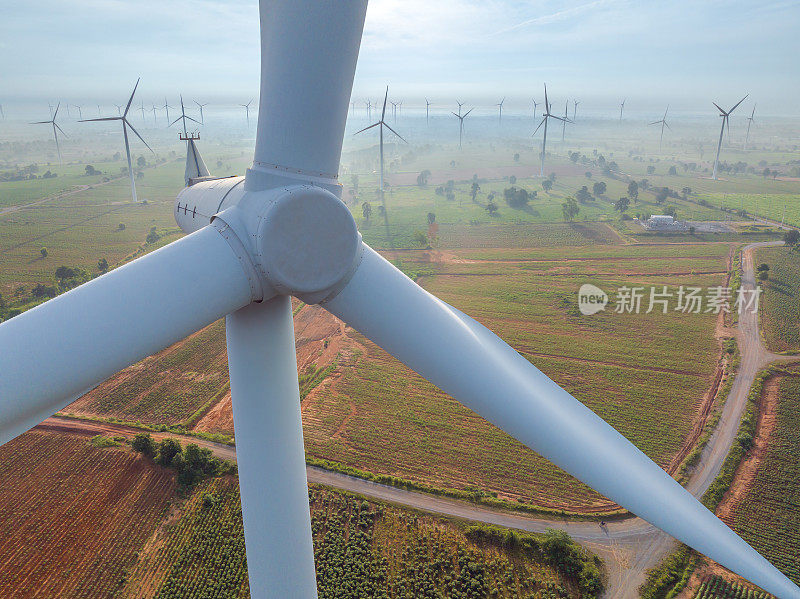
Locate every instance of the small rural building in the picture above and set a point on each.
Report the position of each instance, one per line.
(664, 222)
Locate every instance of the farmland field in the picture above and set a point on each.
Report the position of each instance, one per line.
(73, 518)
(362, 549)
(780, 316)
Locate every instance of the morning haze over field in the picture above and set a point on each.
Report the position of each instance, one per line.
(667, 190)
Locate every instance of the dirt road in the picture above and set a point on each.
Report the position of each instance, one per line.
(629, 547)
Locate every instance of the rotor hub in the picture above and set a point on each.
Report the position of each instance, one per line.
(308, 243)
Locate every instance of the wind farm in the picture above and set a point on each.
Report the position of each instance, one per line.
(302, 359)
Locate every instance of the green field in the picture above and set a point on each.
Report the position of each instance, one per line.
(362, 550)
(780, 317)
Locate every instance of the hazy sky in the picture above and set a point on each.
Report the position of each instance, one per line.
(599, 51)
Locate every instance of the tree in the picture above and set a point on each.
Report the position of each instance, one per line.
(633, 190)
(152, 236)
(672, 170)
(570, 209)
(686, 191)
(588, 174)
(366, 210)
(622, 204)
(671, 211)
(431, 218)
(420, 239)
(651, 169)
(516, 198)
(512, 179)
(144, 444)
(102, 265)
(168, 449)
(65, 272)
(762, 267)
(516, 157)
(43, 252)
(791, 237)
(90, 170)
(141, 162)
(583, 195)
(599, 188)
(474, 190)
(40, 291)
(354, 181)
(661, 195)
(547, 185)
(763, 275)
(491, 208)
(121, 227)
(422, 178)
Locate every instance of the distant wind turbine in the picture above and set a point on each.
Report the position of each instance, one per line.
(154, 115)
(500, 105)
(56, 128)
(564, 123)
(461, 118)
(547, 115)
(125, 125)
(99, 112)
(183, 118)
(167, 107)
(663, 123)
(353, 108)
(535, 104)
(369, 109)
(66, 104)
(2, 112)
(381, 124)
(394, 110)
(51, 109)
(724, 116)
(247, 110)
(142, 107)
(80, 112)
(749, 122)
(427, 111)
(621, 108)
(575, 109)
(119, 109)
(200, 106)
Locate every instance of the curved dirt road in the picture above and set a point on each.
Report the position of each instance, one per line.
(629, 547)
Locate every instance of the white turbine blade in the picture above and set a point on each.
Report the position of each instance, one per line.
(466, 113)
(108, 118)
(60, 129)
(655, 123)
(191, 119)
(539, 126)
(55, 352)
(367, 128)
(55, 114)
(139, 136)
(718, 108)
(127, 107)
(458, 116)
(666, 124)
(395, 132)
(41, 122)
(175, 121)
(269, 450)
(476, 367)
(735, 106)
(303, 103)
(546, 102)
(558, 118)
(385, 97)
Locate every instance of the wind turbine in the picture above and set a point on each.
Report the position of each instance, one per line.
(167, 107)
(381, 124)
(621, 108)
(500, 105)
(663, 123)
(247, 110)
(286, 232)
(183, 118)
(2, 112)
(749, 122)
(461, 118)
(369, 108)
(725, 115)
(119, 109)
(99, 112)
(535, 104)
(564, 121)
(394, 111)
(547, 115)
(80, 112)
(125, 125)
(51, 109)
(200, 106)
(427, 111)
(56, 129)
(154, 115)
(575, 109)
